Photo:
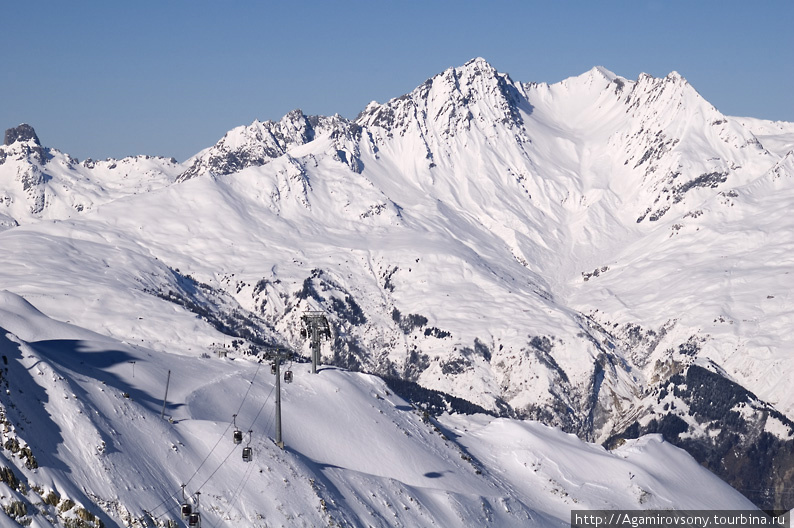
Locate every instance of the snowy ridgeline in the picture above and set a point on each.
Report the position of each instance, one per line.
(575, 253)
(84, 442)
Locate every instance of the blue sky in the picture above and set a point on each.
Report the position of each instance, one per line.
(170, 77)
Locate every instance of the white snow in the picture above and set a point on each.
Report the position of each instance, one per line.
(351, 444)
(483, 205)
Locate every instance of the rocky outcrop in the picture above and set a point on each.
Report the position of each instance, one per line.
(261, 142)
(727, 429)
(30, 146)
(23, 132)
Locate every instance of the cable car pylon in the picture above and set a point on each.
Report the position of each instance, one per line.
(314, 325)
(277, 356)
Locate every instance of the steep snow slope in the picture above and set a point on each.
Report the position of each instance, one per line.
(726, 265)
(83, 410)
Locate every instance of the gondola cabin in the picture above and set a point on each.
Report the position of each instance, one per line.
(194, 521)
(273, 368)
(237, 436)
(187, 509)
(248, 454)
(288, 376)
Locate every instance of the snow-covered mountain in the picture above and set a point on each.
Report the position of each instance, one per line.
(600, 254)
(38, 182)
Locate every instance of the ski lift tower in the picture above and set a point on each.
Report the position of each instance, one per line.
(315, 326)
(277, 356)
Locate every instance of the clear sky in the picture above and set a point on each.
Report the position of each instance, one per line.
(169, 77)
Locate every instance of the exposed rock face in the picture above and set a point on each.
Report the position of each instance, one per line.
(22, 143)
(260, 143)
(23, 132)
(30, 145)
(726, 428)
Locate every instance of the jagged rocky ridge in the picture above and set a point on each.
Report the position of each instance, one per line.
(259, 143)
(540, 210)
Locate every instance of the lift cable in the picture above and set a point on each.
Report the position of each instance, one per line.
(262, 407)
(271, 417)
(238, 490)
(235, 445)
(149, 512)
(219, 466)
(248, 470)
(249, 388)
(223, 435)
(251, 384)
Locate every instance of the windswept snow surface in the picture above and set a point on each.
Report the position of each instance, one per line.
(777, 136)
(88, 408)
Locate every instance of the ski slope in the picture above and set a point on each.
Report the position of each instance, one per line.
(356, 454)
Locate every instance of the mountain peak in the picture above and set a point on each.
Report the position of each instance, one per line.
(473, 95)
(23, 132)
(476, 67)
(479, 62)
(607, 74)
(676, 77)
(261, 142)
